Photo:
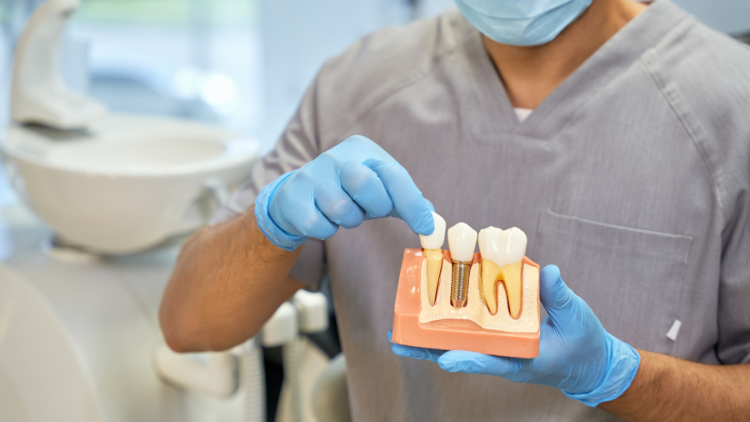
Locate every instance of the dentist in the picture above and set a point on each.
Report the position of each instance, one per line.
(614, 133)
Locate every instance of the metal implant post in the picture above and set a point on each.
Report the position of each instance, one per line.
(460, 283)
(462, 240)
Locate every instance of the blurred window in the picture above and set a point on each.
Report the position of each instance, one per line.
(217, 60)
(198, 59)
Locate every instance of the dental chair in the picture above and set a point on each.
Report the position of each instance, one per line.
(80, 285)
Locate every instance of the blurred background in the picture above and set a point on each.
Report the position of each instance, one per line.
(239, 65)
(243, 64)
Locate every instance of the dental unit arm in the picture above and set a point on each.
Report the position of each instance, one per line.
(222, 374)
(485, 302)
(39, 93)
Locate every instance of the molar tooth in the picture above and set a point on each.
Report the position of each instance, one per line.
(433, 250)
(502, 255)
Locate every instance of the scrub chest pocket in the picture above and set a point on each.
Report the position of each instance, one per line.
(632, 279)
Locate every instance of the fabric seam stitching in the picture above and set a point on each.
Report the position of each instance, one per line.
(615, 226)
(691, 134)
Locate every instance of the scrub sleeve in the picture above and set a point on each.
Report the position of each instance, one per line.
(733, 346)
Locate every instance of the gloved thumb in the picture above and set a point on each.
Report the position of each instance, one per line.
(554, 293)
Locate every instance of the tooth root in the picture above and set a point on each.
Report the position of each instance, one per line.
(490, 275)
(432, 245)
(511, 276)
(434, 266)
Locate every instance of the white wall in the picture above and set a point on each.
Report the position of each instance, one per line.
(732, 16)
(298, 35)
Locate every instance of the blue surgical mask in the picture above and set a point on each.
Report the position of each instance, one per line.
(522, 22)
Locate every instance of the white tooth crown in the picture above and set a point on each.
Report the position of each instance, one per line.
(502, 247)
(462, 240)
(437, 238)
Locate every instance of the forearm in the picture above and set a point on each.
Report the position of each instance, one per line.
(669, 389)
(228, 280)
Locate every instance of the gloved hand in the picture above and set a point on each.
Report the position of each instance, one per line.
(576, 354)
(353, 181)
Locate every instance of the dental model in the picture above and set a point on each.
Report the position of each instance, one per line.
(502, 255)
(451, 300)
(433, 249)
(462, 240)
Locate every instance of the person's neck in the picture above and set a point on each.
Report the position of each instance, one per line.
(530, 74)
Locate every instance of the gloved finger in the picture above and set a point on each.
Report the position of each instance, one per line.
(366, 189)
(338, 206)
(295, 212)
(478, 363)
(415, 352)
(408, 202)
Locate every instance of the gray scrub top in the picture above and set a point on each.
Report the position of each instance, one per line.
(632, 177)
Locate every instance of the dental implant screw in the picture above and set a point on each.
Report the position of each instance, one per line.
(462, 240)
(460, 283)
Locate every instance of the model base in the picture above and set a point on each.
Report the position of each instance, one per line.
(451, 334)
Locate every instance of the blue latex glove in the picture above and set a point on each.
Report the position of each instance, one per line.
(576, 354)
(351, 182)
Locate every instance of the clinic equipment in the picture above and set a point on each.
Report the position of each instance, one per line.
(38, 92)
(79, 329)
(109, 183)
(84, 339)
(454, 300)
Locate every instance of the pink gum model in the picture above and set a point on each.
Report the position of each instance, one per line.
(451, 334)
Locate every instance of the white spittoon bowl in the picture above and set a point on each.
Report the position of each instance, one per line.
(128, 182)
